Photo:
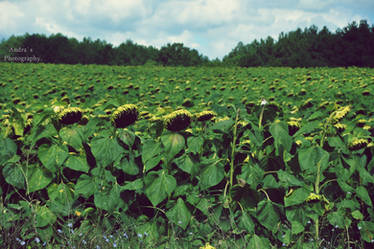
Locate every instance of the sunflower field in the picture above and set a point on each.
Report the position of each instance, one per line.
(174, 157)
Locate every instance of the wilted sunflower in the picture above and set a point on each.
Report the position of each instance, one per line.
(340, 113)
(340, 127)
(70, 115)
(178, 120)
(293, 127)
(361, 123)
(125, 115)
(205, 116)
(358, 143)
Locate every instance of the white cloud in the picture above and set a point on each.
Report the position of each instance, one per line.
(115, 10)
(53, 28)
(10, 16)
(213, 27)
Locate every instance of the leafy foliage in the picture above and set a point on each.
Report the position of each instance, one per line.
(241, 174)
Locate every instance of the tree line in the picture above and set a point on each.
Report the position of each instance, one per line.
(351, 46)
(57, 48)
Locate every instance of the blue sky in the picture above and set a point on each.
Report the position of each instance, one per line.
(213, 27)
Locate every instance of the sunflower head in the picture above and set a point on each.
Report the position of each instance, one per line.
(69, 115)
(340, 127)
(293, 126)
(361, 123)
(205, 116)
(125, 115)
(178, 120)
(357, 144)
(340, 113)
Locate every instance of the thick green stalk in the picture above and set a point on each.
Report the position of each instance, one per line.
(261, 116)
(233, 149)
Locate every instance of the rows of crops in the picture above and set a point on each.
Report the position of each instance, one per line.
(211, 157)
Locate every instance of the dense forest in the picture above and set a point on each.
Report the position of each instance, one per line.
(351, 46)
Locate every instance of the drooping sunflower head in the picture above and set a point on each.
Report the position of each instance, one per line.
(205, 116)
(178, 120)
(69, 115)
(125, 115)
(293, 126)
(340, 113)
(358, 143)
(340, 127)
(361, 123)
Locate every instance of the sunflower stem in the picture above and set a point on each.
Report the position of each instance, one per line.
(261, 116)
(233, 149)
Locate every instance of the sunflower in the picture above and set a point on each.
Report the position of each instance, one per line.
(207, 246)
(293, 127)
(178, 120)
(68, 115)
(340, 113)
(205, 116)
(361, 123)
(357, 144)
(340, 127)
(125, 115)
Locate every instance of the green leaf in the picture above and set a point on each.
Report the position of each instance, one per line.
(60, 199)
(150, 149)
(38, 178)
(223, 126)
(211, 175)
(14, 176)
(357, 215)
(77, 163)
(287, 180)
(179, 214)
(349, 204)
(296, 227)
(72, 137)
(127, 136)
(134, 185)
(311, 157)
(363, 194)
(52, 157)
(40, 132)
(85, 186)
(270, 182)
(366, 230)
(195, 144)
(186, 164)
(151, 155)
(106, 150)
(247, 223)
(336, 219)
(162, 187)
(267, 215)
(173, 144)
(203, 206)
(258, 242)
(252, 175)
(297, 197)
(44, 216)
(8, 149)
(282, 139)
(153, 162)
(298, 219)
(344, 186)
(127, 166)
(316, 115)
(45, 233)
(337, 143)
(108, 201)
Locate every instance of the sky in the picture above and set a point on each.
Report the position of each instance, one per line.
(213, 27)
